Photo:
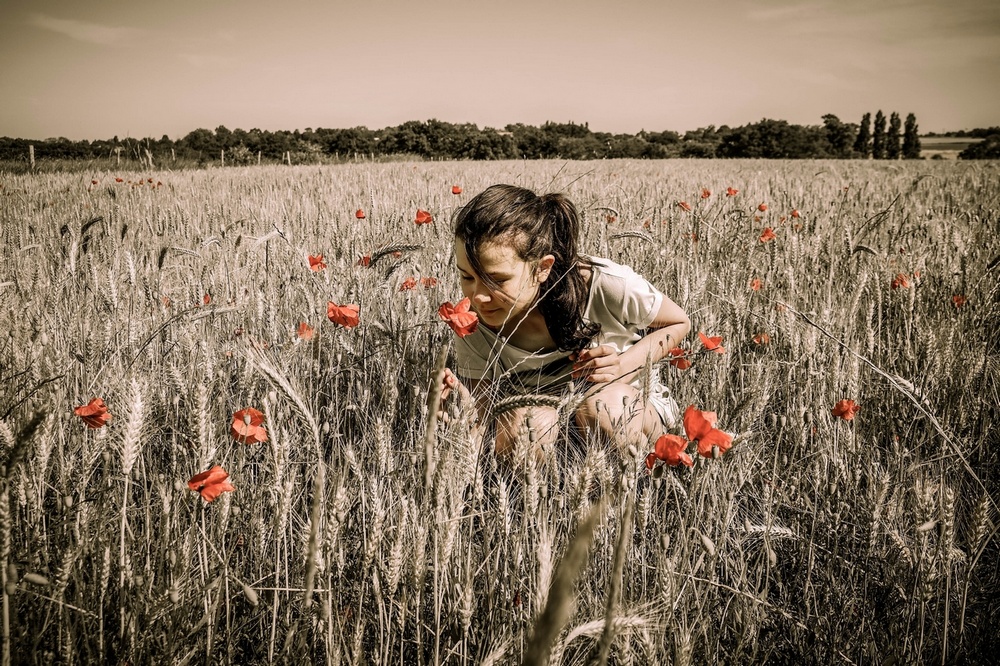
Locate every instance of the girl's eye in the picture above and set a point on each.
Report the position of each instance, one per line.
(465, 278)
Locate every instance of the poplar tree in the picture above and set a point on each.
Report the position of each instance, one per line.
(878, 137)
(892, 149)
(863, 144)
(911, 140)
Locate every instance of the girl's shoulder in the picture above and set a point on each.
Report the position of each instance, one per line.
(598, 269)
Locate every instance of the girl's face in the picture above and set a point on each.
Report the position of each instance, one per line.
(517, 283)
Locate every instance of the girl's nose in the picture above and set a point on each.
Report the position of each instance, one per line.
(481, 296)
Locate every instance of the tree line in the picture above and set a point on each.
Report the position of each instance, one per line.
(887, 139)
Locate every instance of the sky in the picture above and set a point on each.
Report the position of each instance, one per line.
(93, 70)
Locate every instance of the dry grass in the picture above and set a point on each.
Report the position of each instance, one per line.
(365, 531)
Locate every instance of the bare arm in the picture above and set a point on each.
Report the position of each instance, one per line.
(602, 364)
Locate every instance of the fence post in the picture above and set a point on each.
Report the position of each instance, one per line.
(223, 157)
(31, 155)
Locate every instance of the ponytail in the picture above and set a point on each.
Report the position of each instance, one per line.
(565, 291)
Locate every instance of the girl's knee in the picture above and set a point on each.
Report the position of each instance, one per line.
(536, 427)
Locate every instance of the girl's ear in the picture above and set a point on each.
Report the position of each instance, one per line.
(543, 268)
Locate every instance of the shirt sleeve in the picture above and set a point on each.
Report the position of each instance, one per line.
(470, 357)
(630, 298)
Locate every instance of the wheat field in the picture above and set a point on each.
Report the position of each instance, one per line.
(365, 530)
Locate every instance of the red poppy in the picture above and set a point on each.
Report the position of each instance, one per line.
(305, 332)
(684, 205)
(700, 427)
(767, 235)
(316, 263)
(846, 409)
(762, 207)
(149, 180)
(360, 214)
(916, 274)
(795, 213)
(731, 191)
(455, 189)
(669, 449)
(958, 300)
(761, 339)
(610, 218)
(166, 301)
(95, 413)
(713, 344)
(460, 317)
(900, 281)
(782, 219)
(365, 260)
(119, 180)
(248, 426)
(347, 316)
(428, 282)
(705, 193)
(93, 182)
(408, 283)
(206, 299)
(211, 484)
(756, 284)
(397, 254)
(693, 236)
(680, 358)
(423, 217)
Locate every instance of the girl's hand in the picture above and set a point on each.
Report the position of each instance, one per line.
(449, 383)
(599, 364)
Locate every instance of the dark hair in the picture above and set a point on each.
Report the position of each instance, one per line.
(534, 226)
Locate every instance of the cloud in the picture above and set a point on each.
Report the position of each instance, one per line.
(83, 31)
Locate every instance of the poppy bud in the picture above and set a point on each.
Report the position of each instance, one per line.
(272, 396)
(708, 544)
(10, 588)
(657, 472)
(772, 557)
(783, 420)
(175, 596)
(251, 594)
(235, 511)
(67, 501)
(664, 541)
(36, 579)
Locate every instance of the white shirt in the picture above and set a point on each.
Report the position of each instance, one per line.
(620, 300)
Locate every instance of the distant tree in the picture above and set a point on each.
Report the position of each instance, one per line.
(911, 139)
(838, 135)
(878, 137)
(892, 149)
(863, 144)
(987, 149)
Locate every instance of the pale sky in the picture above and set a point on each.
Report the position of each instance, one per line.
(89, 70)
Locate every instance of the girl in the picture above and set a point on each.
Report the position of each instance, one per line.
(549, 318)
